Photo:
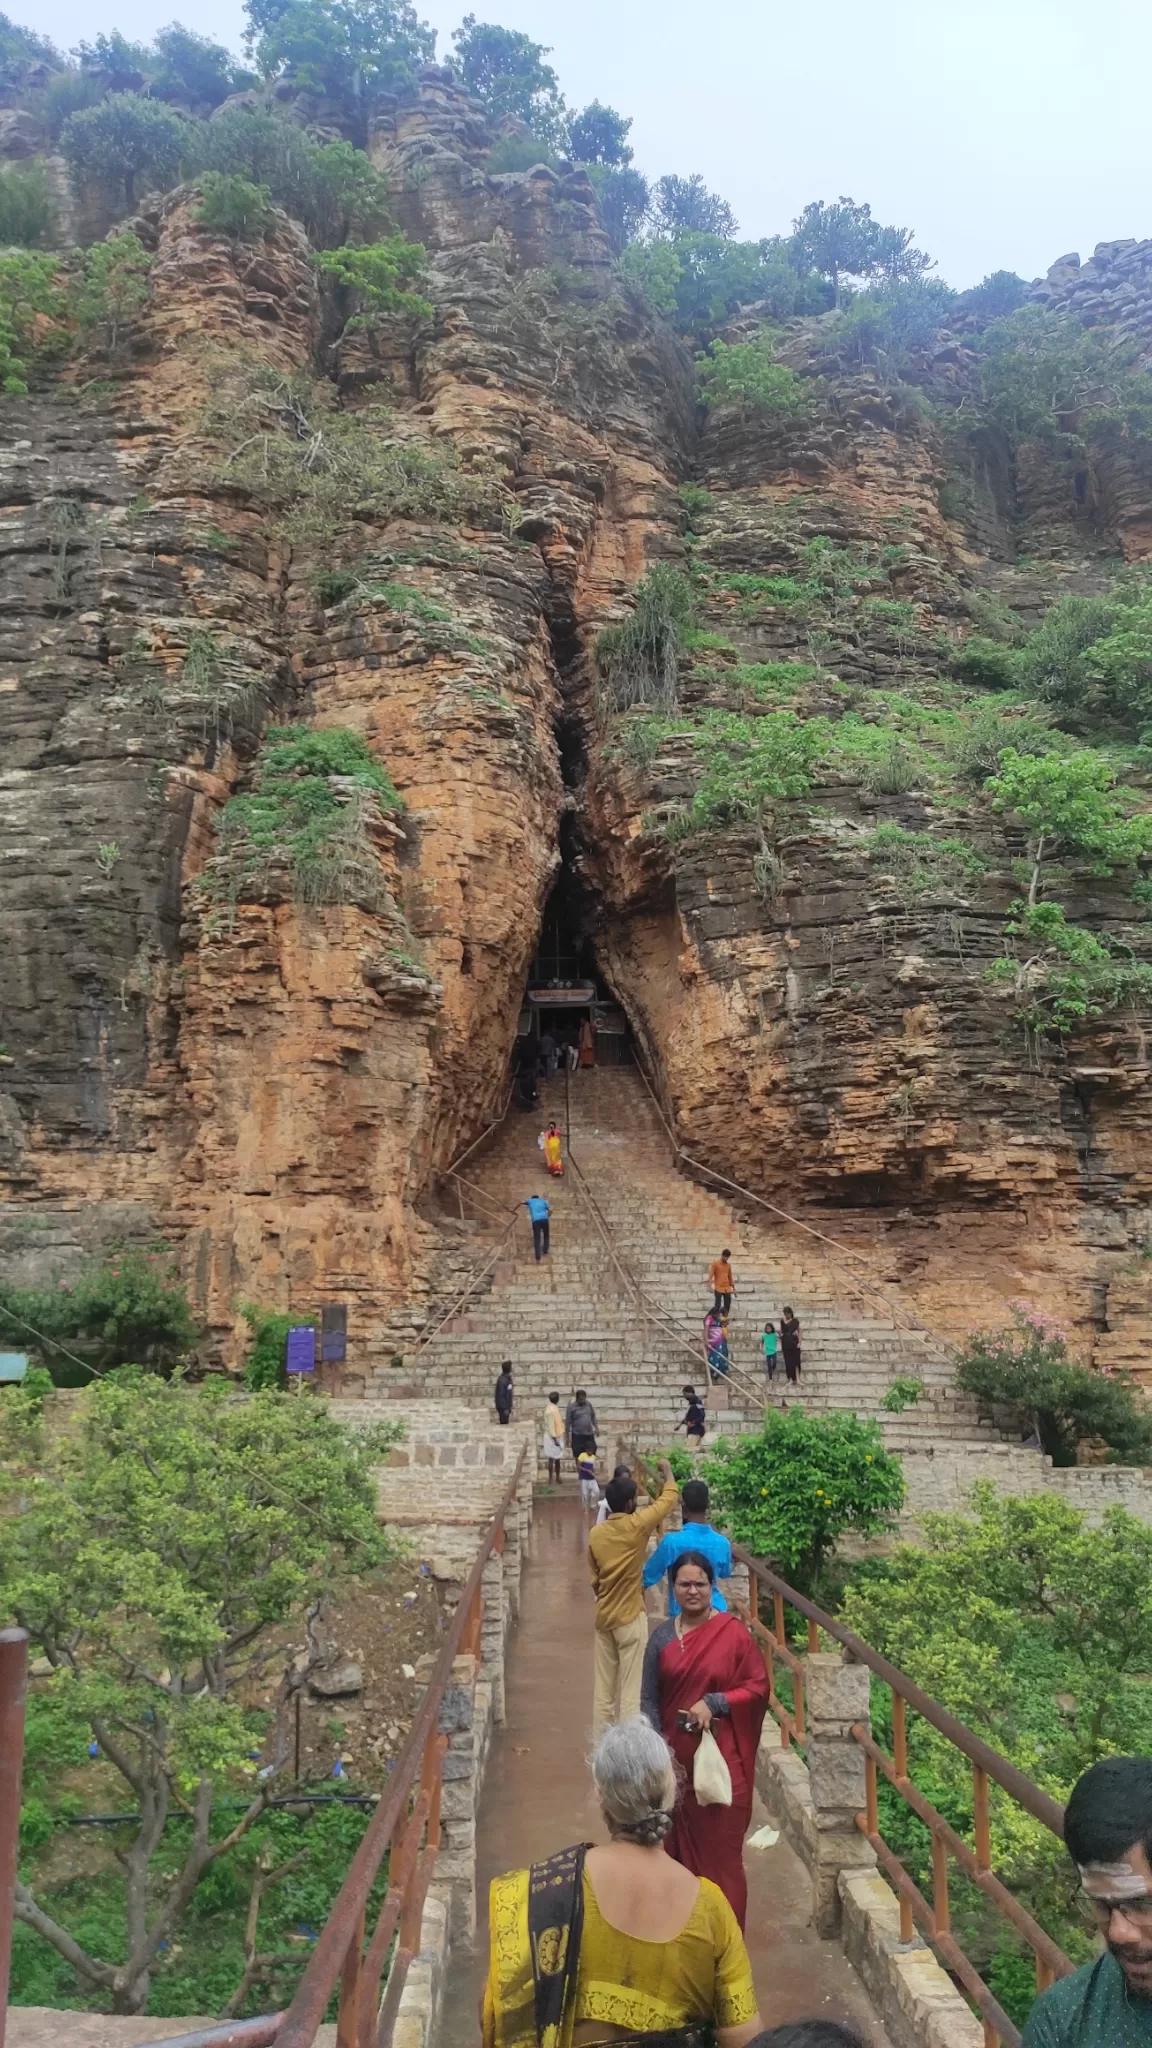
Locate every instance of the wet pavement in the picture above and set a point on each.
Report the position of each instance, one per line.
(537, 1797)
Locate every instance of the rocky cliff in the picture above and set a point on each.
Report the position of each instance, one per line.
(264, 1062)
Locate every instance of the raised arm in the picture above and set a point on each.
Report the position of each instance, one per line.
(660, 1509)
(658, 1563)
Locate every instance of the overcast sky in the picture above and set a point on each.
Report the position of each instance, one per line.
(1005, 132)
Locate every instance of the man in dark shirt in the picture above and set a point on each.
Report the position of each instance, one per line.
(1108, 1833)
(503, 1393)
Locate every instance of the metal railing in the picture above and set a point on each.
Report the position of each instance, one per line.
(933, 1917)
(405, 1827)
(901, 1315)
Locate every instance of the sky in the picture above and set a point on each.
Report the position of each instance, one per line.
(1004, 132)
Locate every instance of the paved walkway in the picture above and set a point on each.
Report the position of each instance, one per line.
(538, 1796)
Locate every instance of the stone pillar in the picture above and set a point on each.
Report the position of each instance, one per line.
(836, 1694)
(455, 1874)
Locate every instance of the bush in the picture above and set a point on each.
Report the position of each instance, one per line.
(111, 288)
(978, 743)
(1045, 376)
(195, 69)
(231, 205)
(264, 1365)
(130, 1310)
(519, 153)
(791, 1492)
(26, 207)
(891, 322)
(750, 764)
(330, 187)
(746, 374)
(985, 664)
(625, 198)
(123, 139)
(379, 278)
(640, 660)
(314, 791)
(1068, 975)
(1026, 1368)
(30, 296)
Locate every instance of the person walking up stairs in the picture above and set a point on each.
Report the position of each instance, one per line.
(616, 1559)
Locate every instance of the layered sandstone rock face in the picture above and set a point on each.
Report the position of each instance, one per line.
(265, 1082)
(196, 1051)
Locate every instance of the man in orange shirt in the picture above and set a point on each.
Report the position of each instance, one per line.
(721, 1282)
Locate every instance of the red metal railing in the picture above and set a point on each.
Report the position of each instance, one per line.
(988, 1768)
(405, 1827)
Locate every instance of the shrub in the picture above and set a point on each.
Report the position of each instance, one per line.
(1026, 1368)
(30, 296)
(996, 295)
(745, 374)
(519, 153)
(26, 207)
(111, 289)
(123, 139)
(1046, 376)
(986, 664)
(903, 1393)
(130, 1309)
(625, 198)
(750, 764)
(379, 279)
(640, 660)
(314, 792)
(231, 205)
(195, 69)
(264, 1365)
(1067, 975)
(978, 742)
(1069, 802)
(923, 863)
(330, 187)
(790, 1493)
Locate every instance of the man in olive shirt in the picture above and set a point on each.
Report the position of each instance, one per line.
(1108, 1833)
(616, 1557)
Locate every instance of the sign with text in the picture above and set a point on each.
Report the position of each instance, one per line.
(301, 1349)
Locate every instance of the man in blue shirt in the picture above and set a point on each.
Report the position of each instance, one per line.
(539, 1211)
(696, 1534)
(1108, 1834)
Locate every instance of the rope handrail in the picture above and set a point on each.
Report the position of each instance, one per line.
(495, 1124)
(340, 1956)
(897, 1309)
(471, 1286)
(649, 1308)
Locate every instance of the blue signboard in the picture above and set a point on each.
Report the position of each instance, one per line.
(13, 1366)
(301, 1349)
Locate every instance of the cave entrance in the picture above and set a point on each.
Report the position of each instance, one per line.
(566, 989)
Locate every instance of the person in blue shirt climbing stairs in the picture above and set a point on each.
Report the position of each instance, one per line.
(539, 1211)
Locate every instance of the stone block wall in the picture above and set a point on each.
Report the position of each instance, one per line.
(942, 1481)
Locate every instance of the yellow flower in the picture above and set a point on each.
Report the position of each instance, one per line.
(763, 1492)
(868, 1457)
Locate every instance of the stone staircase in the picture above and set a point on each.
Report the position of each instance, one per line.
(574, 1321)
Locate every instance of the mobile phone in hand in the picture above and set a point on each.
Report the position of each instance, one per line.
(687, 1723)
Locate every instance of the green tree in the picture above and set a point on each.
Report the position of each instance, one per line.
(625, 197)
(838, 239)
(886, 323)
(655, 270)
(1092, 656)
(231, 205)
(790, 1493)
(26, 207)
(1027, 1367)
(1046, 376)
(194, 69)
(996, 295)
(111, 289)
(686, 206)
(1064, 974)
(264, 1366)
(1069, 802)
(167, 1536)
(746, 374)
(350, 49)
(123, 139)
(131, 1309)
(30, 295)
(378, 279)
(599, 136)
(22, 46)
(120, 65)
(506, 70)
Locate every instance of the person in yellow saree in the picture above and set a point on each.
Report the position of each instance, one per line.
(550, 1144)
(618, 1945)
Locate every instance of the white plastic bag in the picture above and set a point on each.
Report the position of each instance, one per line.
(711, 1778)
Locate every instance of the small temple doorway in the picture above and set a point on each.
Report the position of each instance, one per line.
(569, 1010)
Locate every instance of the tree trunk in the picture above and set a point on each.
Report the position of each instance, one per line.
(1037, 860)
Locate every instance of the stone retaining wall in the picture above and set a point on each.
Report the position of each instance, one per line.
(942, 1481)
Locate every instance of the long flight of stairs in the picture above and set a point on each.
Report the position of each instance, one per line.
(572, 1321)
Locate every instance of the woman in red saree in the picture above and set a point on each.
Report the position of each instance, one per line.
(704, 1669)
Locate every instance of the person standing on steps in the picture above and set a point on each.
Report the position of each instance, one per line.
(790, 1346)
(721, 1282)
(539, 1210)
(616, 1561)
(548, 1055)
(697, 1533)
(580, 1425)
(770, 1345)
(713, 1338)
(553, 1438)
(703, 1670)
(503, 1394)
(695, 1421)
(587, 1043)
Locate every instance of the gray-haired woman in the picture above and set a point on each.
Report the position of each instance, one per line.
(618, 1942)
